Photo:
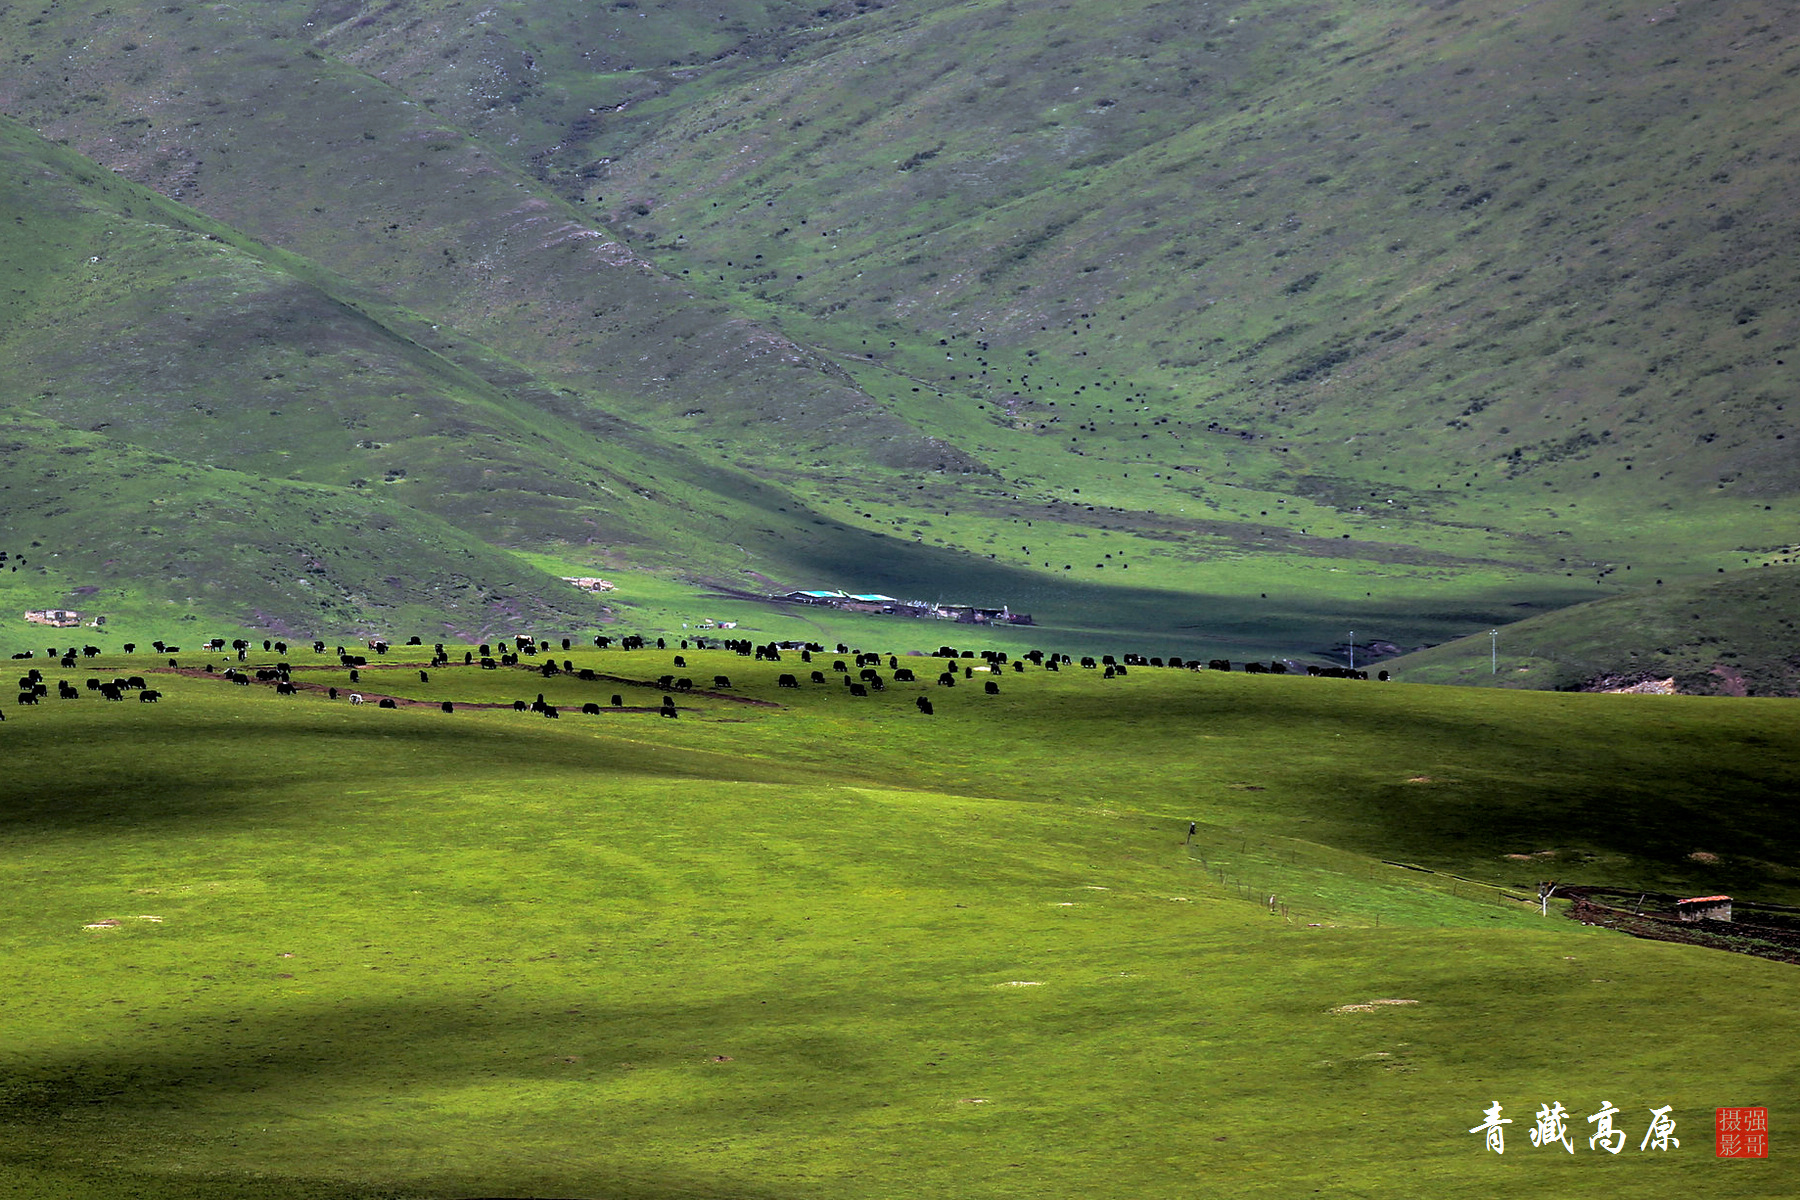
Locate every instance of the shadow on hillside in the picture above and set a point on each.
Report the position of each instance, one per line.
(1150, 620)
(1458, 778)
(679, 1069)
(253, 771)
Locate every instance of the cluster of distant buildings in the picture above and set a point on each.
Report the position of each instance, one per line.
(58, 618)
(874, 602)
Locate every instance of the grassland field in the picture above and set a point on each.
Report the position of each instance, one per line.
(796, 943)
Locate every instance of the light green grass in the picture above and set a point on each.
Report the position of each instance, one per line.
(784, 951)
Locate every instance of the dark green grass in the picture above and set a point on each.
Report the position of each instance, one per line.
(781, 951)
(1733, 635)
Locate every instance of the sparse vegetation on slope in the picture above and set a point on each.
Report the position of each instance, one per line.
(1351, 302)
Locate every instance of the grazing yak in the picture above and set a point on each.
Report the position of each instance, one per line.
(924, 705)
(618, 702)
(992, 688)
(721, 681)
(356, 697)
(449, 707)
(590, 709)
(903, 675)
(149, 696)
(789, 681)
(818, 677)
(386, 703)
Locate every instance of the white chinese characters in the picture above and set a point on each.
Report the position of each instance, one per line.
(1496, 1136)
(1661, 1126)
(1604, 1133)
(1551, 1129)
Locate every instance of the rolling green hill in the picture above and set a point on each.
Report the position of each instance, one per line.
(1394, 317)
(1733, 637)
(797, 943)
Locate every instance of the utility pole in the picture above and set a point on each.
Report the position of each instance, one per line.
(1353, 649)
(1494, 646)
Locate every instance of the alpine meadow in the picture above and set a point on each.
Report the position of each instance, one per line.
(885, 599)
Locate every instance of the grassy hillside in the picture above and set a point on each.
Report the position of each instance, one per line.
(1356, 309)
(152, 334)
(796, 943)
(1733, 637)
(1480, 242)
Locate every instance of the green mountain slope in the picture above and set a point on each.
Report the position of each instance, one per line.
(1381, 312)
(155, 358)
(1733, 637)
(1529, 247)
(339, 167)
